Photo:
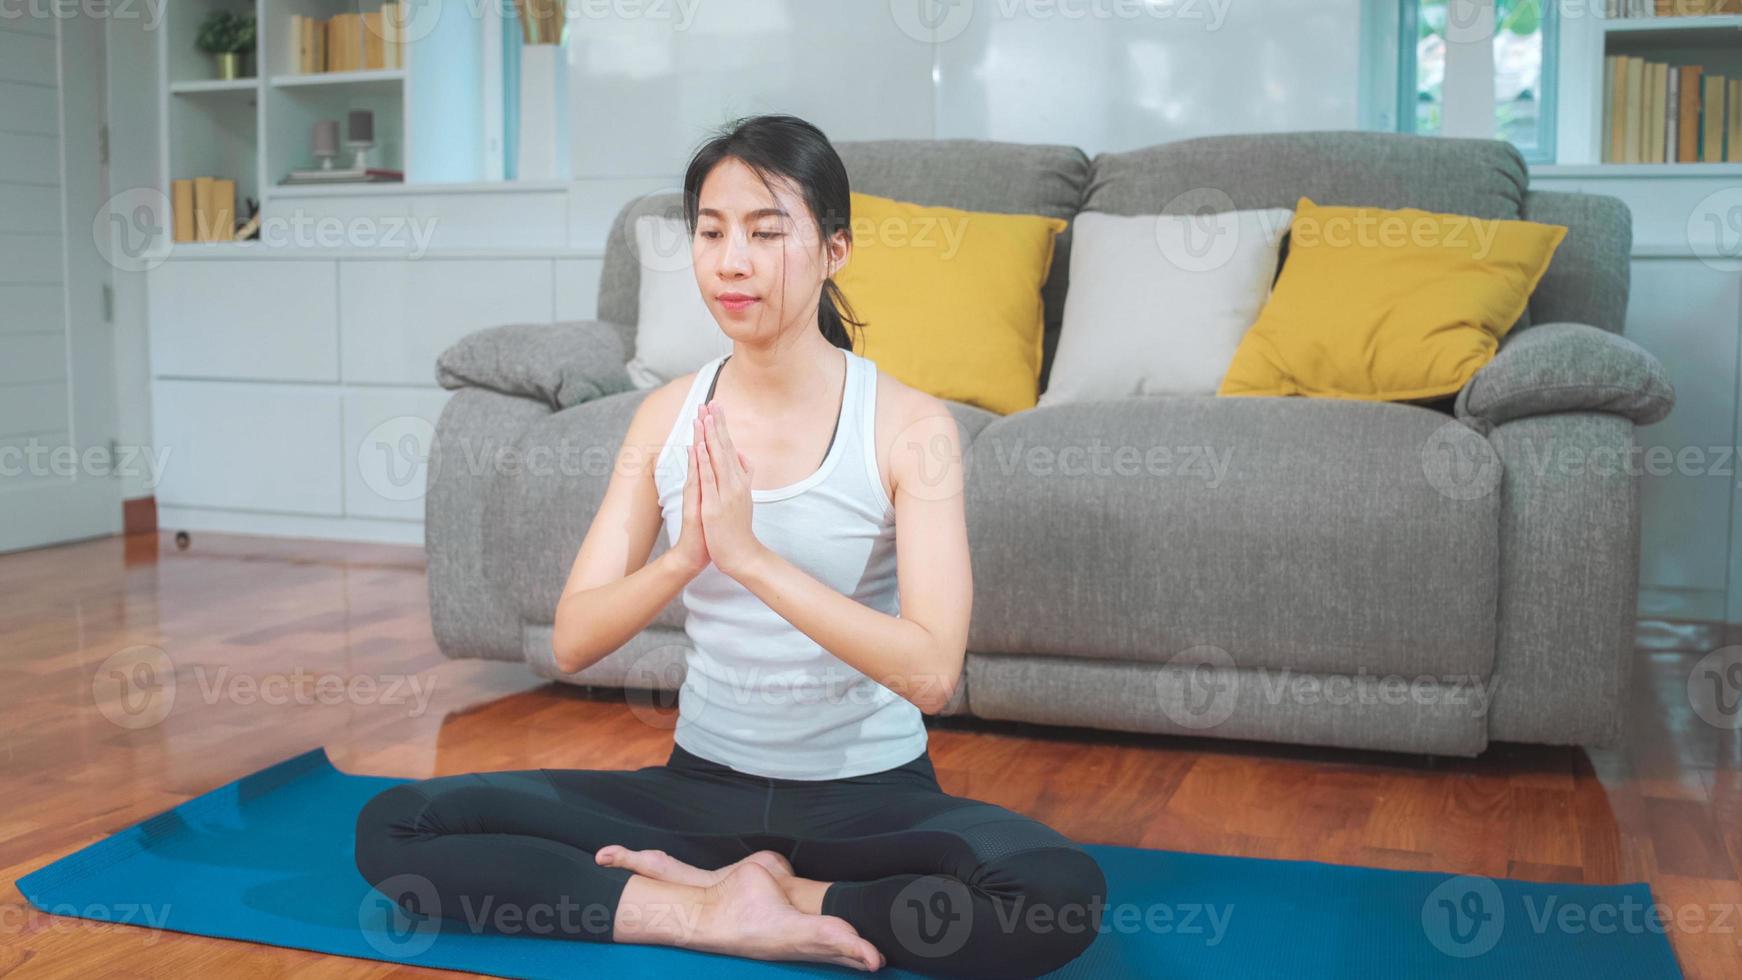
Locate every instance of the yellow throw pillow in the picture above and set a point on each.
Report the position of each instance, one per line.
(951, 298)
(1389, 305)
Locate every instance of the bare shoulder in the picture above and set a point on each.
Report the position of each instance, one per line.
(655, 417)
(913, 426)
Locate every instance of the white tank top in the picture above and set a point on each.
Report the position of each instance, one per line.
(759, 695)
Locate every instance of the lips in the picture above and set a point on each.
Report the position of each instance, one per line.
(735, 301)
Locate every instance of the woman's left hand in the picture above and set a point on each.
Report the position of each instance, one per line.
(726, 502)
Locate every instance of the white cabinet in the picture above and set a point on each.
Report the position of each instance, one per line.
(271, 320)
(397, 317)
(298, 396)
(248, 446)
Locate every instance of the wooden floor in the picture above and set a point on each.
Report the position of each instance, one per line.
(77, 765)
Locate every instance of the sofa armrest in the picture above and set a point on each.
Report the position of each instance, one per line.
(561, 364)
(1567, 367)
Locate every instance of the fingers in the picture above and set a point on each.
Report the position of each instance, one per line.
(705, 465)
(726, 457)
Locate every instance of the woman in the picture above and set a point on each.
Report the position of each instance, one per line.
(798, 817)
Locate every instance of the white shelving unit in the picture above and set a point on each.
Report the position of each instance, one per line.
(1714, 42)
(257, 129)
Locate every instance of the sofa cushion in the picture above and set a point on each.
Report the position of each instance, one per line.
(1209, 174)
(1159, 302)
(1328, 536)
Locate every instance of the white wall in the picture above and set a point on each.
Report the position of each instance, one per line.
(1103, 75)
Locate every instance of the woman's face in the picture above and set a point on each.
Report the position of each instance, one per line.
(743, 241)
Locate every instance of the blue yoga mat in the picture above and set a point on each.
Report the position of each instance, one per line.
(268, 859)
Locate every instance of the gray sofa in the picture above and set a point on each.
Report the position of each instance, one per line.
(1368, 575)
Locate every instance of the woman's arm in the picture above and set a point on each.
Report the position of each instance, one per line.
(919, 653)
(613, 591)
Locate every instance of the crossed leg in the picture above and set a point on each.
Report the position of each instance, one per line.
(506, 851)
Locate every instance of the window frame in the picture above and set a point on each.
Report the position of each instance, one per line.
(1548, 96)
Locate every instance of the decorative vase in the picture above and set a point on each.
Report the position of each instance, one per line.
(542, 146)
(229, 65)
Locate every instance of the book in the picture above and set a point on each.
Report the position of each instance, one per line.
(373, 56)
(223, 210)
(1616, 96)
(297, 53)
(1655, 124)
(182, 192)
(1635, 110)
(393, 33)
(1688, 115)
(203, 209)
(1672, 110)
(1733, 131)
(1712, 119)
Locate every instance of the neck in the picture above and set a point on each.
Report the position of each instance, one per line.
(779, 376)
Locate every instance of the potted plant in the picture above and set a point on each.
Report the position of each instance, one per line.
(228, 36)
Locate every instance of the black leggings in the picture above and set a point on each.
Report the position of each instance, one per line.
(940, 884)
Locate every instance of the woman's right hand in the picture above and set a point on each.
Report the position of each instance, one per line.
(692, 545)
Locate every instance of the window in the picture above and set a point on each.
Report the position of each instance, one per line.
(1525, 33)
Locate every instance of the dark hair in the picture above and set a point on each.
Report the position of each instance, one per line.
(786, 146)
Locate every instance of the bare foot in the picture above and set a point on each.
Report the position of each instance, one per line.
(746, 913)
(658, 864)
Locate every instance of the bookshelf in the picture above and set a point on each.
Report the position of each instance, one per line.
(1713, 42)
(256, 129)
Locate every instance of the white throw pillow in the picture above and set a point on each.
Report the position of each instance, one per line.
(675, 332)
(1158, 304)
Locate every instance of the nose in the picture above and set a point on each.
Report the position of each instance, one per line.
(735, 256)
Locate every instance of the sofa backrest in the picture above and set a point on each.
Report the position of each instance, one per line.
(974, 175)
(1586, 282)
